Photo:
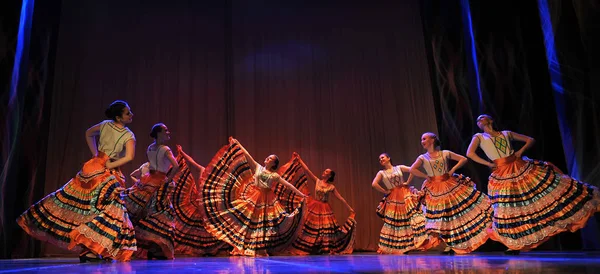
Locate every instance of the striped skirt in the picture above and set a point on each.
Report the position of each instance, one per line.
(251, 219)
(533, 201)
(152, 213)
(403, 223)
(87, 213)
(457, 212)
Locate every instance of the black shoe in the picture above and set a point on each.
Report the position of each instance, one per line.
(152, 255)
(85, 257)
(448, 251)
(512, 252)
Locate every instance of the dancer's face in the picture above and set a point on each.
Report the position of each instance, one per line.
(384, 159)
(483, 121)
(164, 134)
(427, 140)
(270, 161)
(326, 174)
(126, 116)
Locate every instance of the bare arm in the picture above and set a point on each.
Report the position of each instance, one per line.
(337, 194)
(310, 174)
(473, 155)
(136, 175)
(406, 169)
(523, 138)
(253, 164)
(90, 138)
(174, 165)
(376, 186)
(197, 168)
(414, 169)
(129, 155)
(291, 187)
(462, 160)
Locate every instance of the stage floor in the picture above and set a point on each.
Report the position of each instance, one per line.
(529, 263)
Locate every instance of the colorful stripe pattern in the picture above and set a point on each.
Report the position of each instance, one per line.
(533, 201)
(191, 237)
(457, 212)
(249, 218)
(86, 213)
(403, 223)
(320, 231)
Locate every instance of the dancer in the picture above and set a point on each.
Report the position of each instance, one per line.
(148, 201)
(243, 209)
(87, 214)
(454, 209)
(403, 220)
(191, 237)
(532, 199)
(321, 232)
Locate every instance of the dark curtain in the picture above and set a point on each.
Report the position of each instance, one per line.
(492, 59)
(336, 82)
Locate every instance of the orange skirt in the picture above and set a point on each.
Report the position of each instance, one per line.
(191, 237)
(533, 201)
(150, 203)
(87, 213)
(321, 232)
(403, 223)
(457, 212)
(251, 219)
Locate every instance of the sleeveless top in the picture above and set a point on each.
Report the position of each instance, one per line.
(392, 178)
(436, 166)
(496, 147)
(263, 178)
(112, 139)
(158, 158)
(322, 192)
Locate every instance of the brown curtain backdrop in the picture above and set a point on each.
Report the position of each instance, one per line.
(338, 83)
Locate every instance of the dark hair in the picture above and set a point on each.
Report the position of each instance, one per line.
(386, 155)
(156, 129)
(276, 162)
(332, 176)
(436, 140)
(494, 127)
(115, 109)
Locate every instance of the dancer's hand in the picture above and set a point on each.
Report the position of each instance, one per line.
(492, 166)
(179, 149)
(232, 140)
(518, 154)
(296, 155)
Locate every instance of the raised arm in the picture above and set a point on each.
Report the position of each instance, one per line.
(129, 155)
(253, 164)
(90, 138)
(174, 164)
(473, 155)
(376, 186)
(291, 187)
(414, 169)
(462, 160)
(190, 161)
(523, 138)
(337, 194)
(309, 173)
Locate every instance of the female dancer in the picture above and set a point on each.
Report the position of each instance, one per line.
(87, 213)
(148, 201)
(532, 200)
(242, 209)
(455, 210)
(403, 221)
(191, 237)
(321, 232)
